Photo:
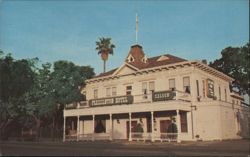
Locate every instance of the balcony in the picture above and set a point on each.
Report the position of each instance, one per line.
(156, 96)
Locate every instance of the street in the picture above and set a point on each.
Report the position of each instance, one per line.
(125, 148)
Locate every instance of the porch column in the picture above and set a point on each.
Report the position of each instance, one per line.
(130, 136)
(93, 128)
(78, 128)
(110, 127)
(178, 122)
(64, 122)
(152, 127)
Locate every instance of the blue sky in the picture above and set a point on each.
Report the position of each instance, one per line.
(67, 30)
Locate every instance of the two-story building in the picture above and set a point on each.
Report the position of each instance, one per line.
(163, 98)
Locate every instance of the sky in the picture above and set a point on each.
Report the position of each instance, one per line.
(68, 29)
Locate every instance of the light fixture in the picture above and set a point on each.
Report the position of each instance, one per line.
(118, 121)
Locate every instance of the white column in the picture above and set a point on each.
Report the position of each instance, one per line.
(64, 122)
(152, 127)
(178, 122)
(110, 127)
(78, 128)
(130, 137)
(93, 127)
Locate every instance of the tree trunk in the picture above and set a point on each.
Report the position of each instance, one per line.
(104, 66)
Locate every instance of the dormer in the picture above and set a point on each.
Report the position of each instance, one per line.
(136, 57)
(144, 59)
(130, 58)
(163, 58)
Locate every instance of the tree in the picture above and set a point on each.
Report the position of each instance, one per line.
(31, 96)
(16, 78)
(235, 63)
(104, 47)
(64, 88)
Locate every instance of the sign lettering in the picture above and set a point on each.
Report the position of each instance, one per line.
(112, 101)
(163, 95)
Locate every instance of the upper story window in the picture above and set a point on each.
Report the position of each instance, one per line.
(186, 84)
(225, 94)
(95, 93)
(108, 92)
(144, 90)
(172, 84)
(219, 94)
(144, 87)
(203, 88)
(113, 91)
(128, 90)
(151, 86)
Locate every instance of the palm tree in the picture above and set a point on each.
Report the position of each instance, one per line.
(104, 47)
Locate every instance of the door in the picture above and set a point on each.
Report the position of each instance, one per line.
(133, 126)
(164, 125)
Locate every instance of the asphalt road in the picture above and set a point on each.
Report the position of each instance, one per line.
(124, 148)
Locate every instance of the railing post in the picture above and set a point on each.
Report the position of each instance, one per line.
(111, 127)
(64, 122)
(130, 136)
(93, 128)
(78, 128)
(176, 95)
(178, 126)
(152, 127)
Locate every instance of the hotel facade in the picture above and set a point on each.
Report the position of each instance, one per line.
(163, 98)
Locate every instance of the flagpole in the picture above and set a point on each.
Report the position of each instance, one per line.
(136, 29)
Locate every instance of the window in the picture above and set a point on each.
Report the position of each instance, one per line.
(219, 94)
(172, 84)
(144, 87)
(113, 91)
(183, 117)
(197, 85)
(108, 92)
(186, 84)
(149, 125)
(95, 93)
(144, 90)
(151, 86)
(128, 90)
(225, 94)
(100, 126)
(203, 88)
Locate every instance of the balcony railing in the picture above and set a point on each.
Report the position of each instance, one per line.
(135, 136)
(160, 137)
(132, 99)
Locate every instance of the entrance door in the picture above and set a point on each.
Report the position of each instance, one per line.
(133, 126)
(164, 125)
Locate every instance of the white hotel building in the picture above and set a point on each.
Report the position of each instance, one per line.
(163, 98)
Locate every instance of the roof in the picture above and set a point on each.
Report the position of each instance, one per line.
(154, 62)
(151, 62)
(106, 73)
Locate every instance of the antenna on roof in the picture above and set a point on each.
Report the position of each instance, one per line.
(136, 29)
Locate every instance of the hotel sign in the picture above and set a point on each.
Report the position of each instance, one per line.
(112, 101)
(210, 88)
(163, 96)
